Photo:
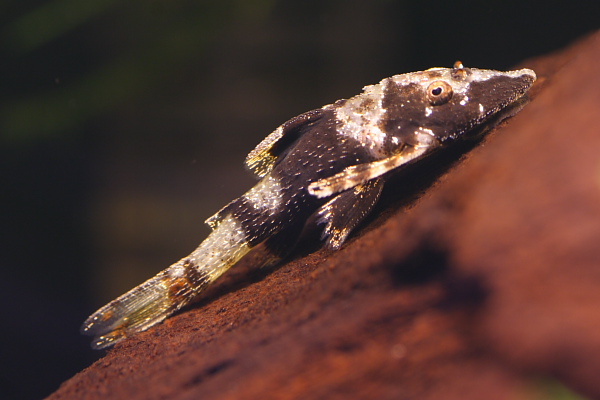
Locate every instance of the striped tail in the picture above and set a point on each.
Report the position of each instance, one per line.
(157, 298)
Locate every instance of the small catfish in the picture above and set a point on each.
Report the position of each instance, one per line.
(330, 163)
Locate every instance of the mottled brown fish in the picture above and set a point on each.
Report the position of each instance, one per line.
(332, 162)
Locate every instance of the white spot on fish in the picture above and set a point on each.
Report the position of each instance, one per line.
(266, 194)
(177, 270)
(425, 137)
(361, 122)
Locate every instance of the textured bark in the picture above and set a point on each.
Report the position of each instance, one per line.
(484, 285)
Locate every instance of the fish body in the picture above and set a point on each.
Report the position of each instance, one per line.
(331, 162)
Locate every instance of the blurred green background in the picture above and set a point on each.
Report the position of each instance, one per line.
(124, 124)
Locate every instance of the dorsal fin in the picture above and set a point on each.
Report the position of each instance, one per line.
(215, 220)
(261, 160)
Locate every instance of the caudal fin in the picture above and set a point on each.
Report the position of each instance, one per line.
(159, 297)
(137, 310)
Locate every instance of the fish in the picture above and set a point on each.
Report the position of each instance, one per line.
(328, 165)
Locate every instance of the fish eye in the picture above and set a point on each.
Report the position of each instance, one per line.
(439, 92)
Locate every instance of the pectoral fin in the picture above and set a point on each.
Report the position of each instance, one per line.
(362, 173)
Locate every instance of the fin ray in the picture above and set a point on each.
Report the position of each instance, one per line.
(362, 173)
(160, 296)
(135, 311)
(263, 157)
(346, 210)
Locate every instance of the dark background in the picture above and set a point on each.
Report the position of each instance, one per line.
(124, 124)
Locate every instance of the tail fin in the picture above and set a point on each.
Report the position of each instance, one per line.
(135, 311)
(157, 298)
